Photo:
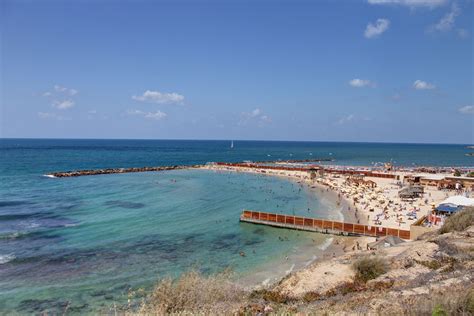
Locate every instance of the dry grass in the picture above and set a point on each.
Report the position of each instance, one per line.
(454, 302)
(369, 267)
(194, 293)
(459, 221)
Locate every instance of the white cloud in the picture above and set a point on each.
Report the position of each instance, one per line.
(447, 21)
(51, 116)
(157, 115)
(423, 85)
(346, 119)
(375, 30)
(352, 118)
(360, 83)
(255, 113)
(61, 97)
(58, 88)
(135, 112)
(256, 116)
(159, 97)
(62, 105)
(468, 109)
(396, 97)
(411, 3)
(65, 90)
(463, 33)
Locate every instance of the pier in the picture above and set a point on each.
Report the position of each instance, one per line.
(321, 225)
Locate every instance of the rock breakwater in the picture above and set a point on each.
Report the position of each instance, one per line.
(78, 173)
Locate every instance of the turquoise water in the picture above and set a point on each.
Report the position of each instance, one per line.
(98, 237)
(85, 242)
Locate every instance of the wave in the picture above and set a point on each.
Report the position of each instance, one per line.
(48, 176)
(28, 234)
(326, 244)
(311, 261)
(6, 258)
(14, 235)
(266, 282)
(290, 269)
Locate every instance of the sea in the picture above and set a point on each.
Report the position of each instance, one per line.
(85, 244)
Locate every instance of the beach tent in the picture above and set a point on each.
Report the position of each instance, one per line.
(385, 242)
(448, 208)
(459, 200)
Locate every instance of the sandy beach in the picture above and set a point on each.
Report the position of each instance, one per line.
(377, 203)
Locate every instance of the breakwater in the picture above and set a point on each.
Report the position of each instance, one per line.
(78, 173)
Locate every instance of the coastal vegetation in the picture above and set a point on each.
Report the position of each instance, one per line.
(458, 221)
(194, 293)
(369, 267)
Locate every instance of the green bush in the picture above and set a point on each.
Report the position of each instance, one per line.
(369, 267)
(459, 221)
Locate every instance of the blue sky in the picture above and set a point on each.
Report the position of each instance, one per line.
(368, 70)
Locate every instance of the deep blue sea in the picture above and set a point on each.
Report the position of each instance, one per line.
(86, 242)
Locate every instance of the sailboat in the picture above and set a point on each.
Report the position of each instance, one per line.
(231, 144)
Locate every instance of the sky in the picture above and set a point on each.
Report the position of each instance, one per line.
(313, 70)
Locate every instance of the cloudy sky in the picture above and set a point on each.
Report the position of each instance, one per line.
(355, 70)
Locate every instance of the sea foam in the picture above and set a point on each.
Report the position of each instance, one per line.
(326, 243)
(6, 258)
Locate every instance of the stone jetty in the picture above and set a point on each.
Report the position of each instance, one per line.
(297, 160)
(93, 172)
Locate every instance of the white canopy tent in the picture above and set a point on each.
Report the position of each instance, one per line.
(459, 200)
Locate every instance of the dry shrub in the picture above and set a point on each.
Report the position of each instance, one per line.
(459, 221)
(347, 287)
(440, 262)
(271, 296)
(311, 297)
(369, 267)
(450, 302)
(193, 293)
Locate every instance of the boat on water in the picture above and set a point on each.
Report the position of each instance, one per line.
(231, 144)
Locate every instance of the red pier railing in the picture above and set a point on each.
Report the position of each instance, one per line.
(321, 225)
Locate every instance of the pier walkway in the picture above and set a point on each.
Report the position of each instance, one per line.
(320, 225)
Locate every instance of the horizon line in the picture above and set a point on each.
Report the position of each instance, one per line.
(240, 140)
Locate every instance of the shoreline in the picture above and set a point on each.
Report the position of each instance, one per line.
(330, 247)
